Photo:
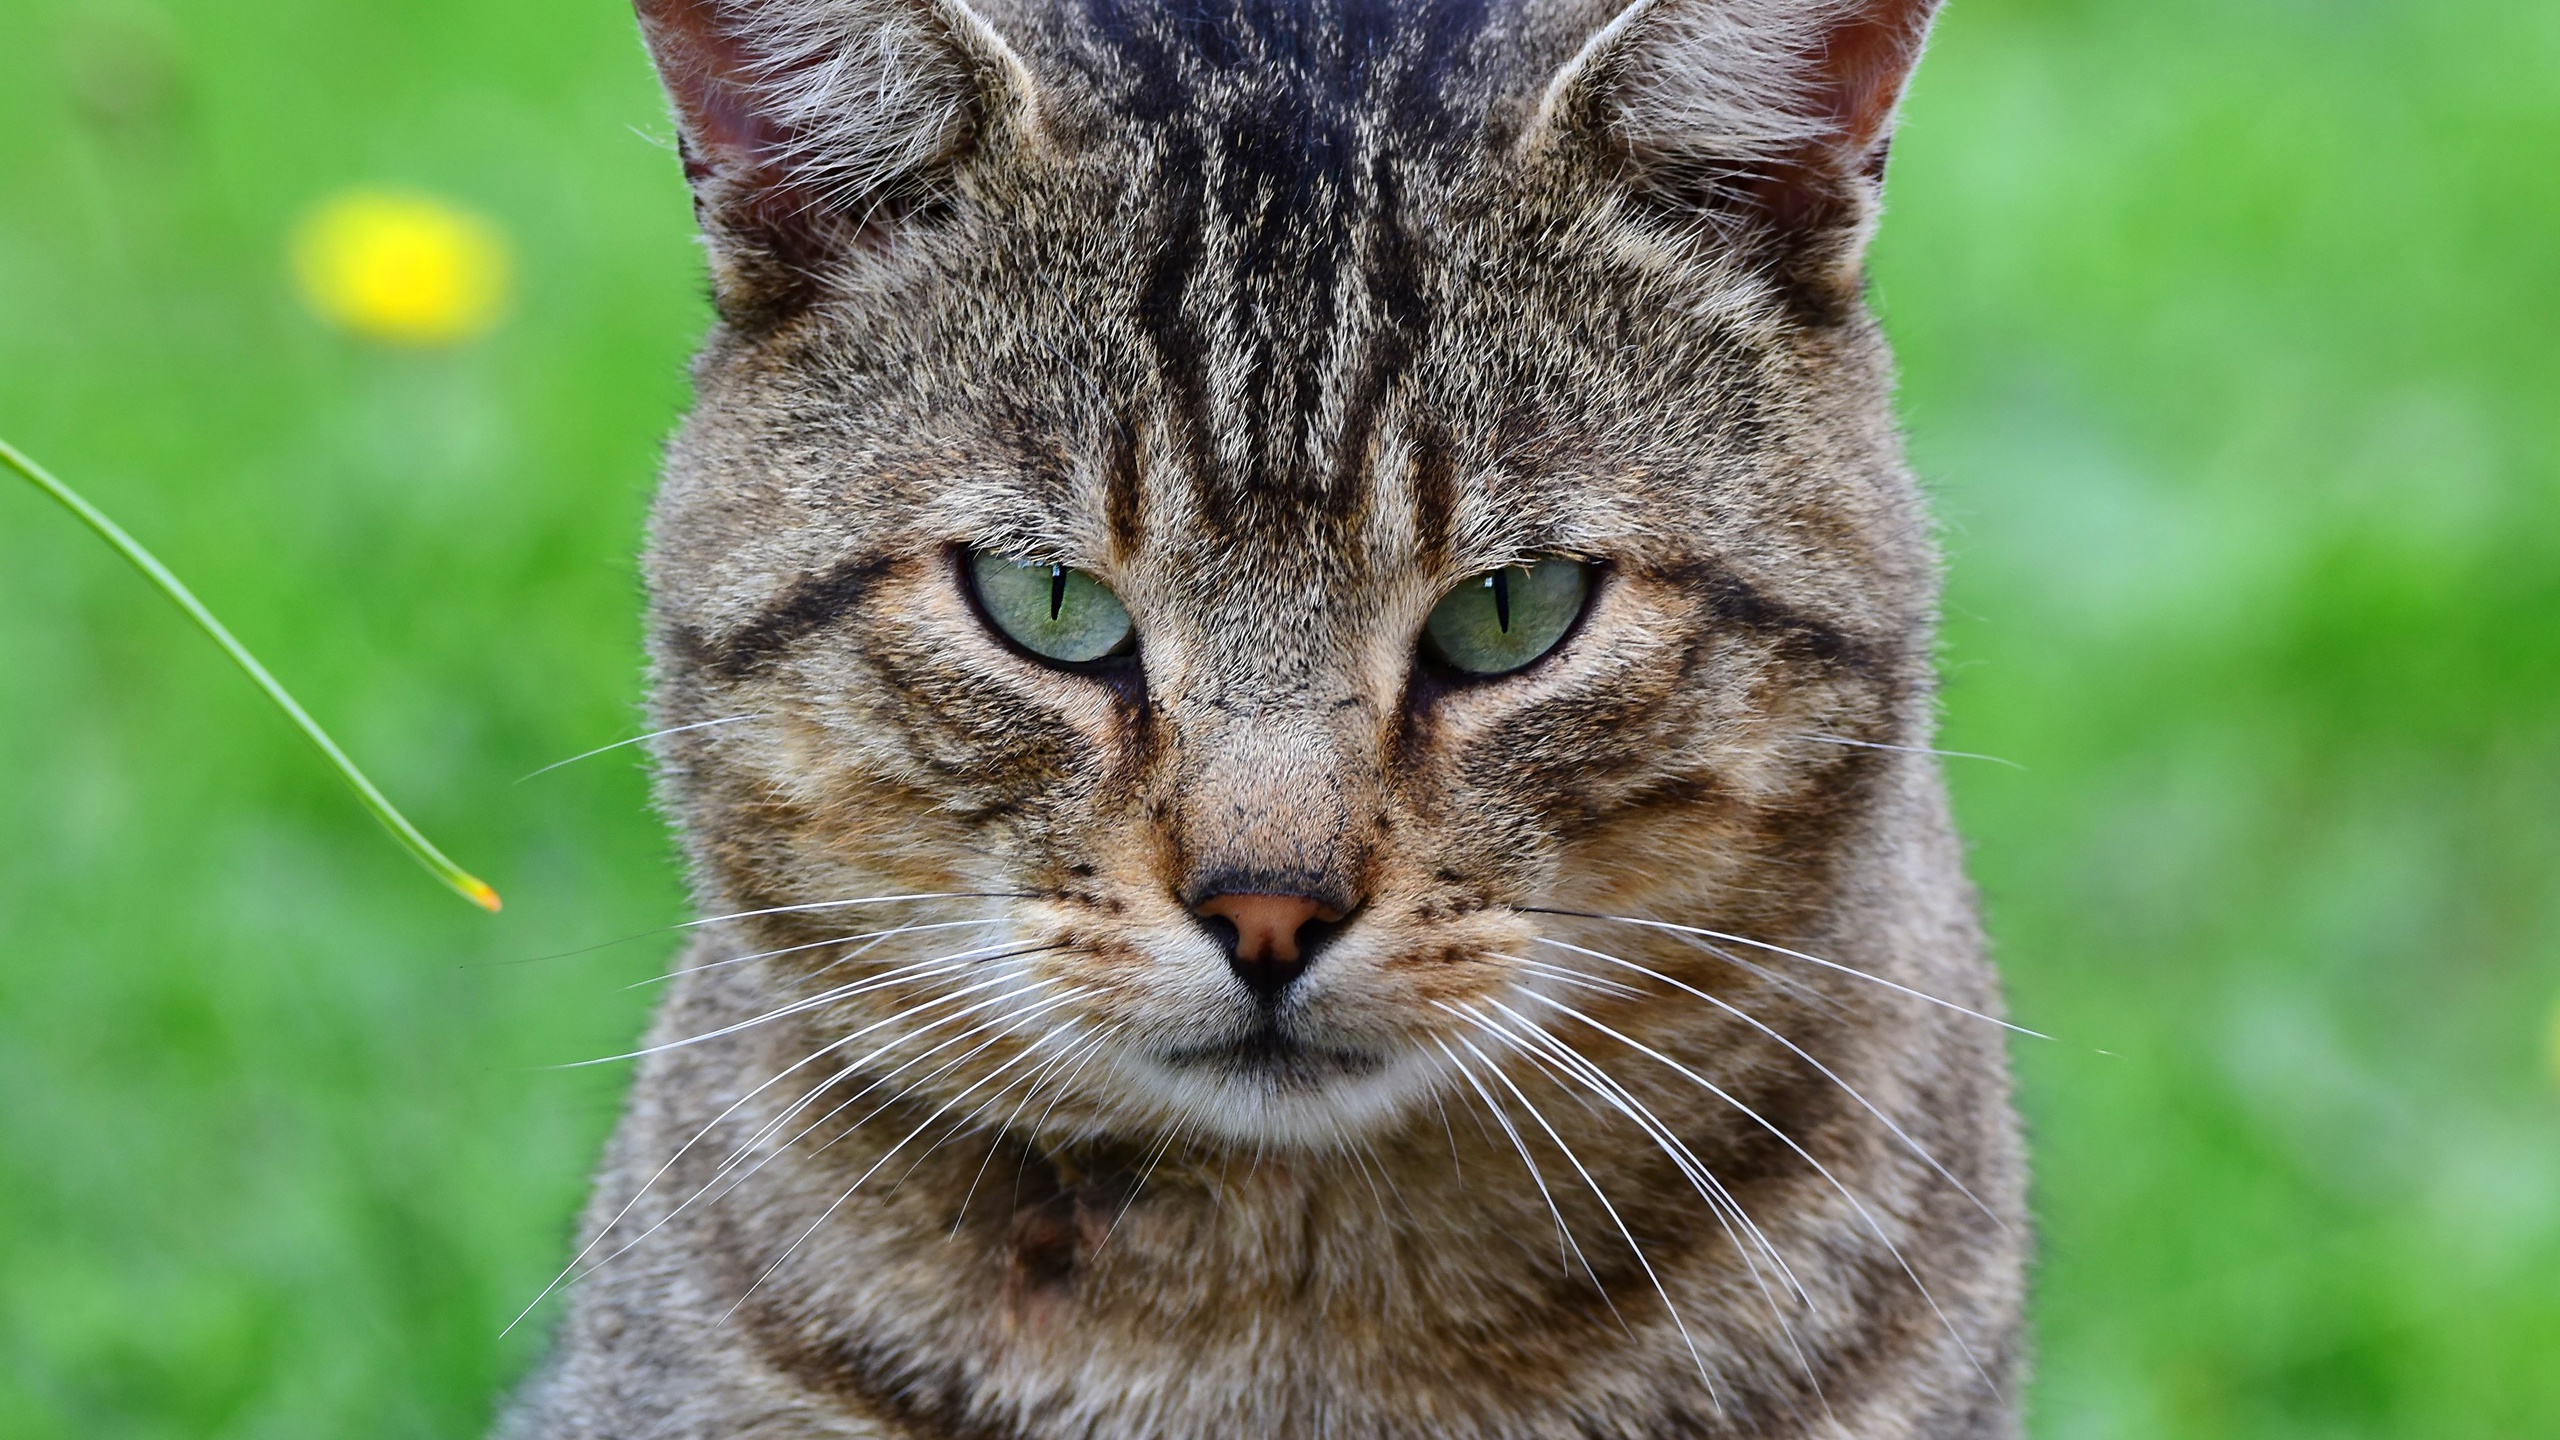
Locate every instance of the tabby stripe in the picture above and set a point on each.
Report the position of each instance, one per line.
(812, 605)
(1739, 604)
(1182, 356)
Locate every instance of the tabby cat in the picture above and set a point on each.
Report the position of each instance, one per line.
(1296, 660)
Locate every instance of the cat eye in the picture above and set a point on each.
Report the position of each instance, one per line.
(1500, 621)
(1061, 615)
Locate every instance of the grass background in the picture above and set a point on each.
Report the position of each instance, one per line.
(2232, 357)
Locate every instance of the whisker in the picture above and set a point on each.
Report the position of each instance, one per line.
(902, 1016)
(1007, 1022)
(1388, 1176)
(932, 968)
(829, 1212)
(873, 936)
(961, 1126)
(913, 971)
(1164, 1147)
(1909, 749)
(817, 905)
(878, 938)
(1348, 1151)
(1677, 1321)
(1564, 1232)
(1573, 977)
(1457, 1170)
(697, 1137)
(636, 740)
(1055, 1101)
(824, 998)
(1787, 1140)
(1800, 1053)
(1722, 1203)
(750, 914)
(1092, 1046)
(764, 1133)
(713, 1189)
(1792, 955)
(1766, 976)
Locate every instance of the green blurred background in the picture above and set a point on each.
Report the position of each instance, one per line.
(2232, 330)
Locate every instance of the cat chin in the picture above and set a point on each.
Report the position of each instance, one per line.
(1309, 1098)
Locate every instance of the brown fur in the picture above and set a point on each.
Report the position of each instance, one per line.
(1283, 319)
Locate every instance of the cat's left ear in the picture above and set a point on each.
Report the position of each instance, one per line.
(1769, 119)
(812, 130)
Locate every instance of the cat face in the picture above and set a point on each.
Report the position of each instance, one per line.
(1252, 539)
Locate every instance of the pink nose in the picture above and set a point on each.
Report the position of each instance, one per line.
(1267, 952)
(1267, 926)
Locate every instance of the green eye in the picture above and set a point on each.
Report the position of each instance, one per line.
(1494, 623)
(1054, 612)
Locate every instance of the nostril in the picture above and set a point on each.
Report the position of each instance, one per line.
(1222, 930)
(1318, 933)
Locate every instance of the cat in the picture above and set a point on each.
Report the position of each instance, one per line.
(1295, 654)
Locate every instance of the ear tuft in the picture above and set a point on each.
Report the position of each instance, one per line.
(1764, 116)
(811, 127)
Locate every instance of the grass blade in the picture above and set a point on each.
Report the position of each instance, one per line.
(470, 887)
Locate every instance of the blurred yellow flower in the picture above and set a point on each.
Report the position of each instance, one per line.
(409, 269)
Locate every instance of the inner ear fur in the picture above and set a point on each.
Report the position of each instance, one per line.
(1767, 121)
(812, 129)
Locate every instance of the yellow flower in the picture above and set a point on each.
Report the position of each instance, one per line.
(409, 269)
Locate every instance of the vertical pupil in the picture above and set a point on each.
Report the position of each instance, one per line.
(1502, 599)
(1057, 591)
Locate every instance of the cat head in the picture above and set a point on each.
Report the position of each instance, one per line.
(1253, 510)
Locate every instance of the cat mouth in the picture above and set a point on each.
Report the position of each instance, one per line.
(1270, 1055)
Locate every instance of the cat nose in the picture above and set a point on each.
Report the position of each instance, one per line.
(1269, 938)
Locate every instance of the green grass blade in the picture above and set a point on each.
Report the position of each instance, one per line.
(463, 882)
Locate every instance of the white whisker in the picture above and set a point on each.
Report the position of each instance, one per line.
(1457, 1171)
(1909, 749)
(1573, 977)
(1678, 1322)
(1727, 1208)
(636, 740)
(1344, 1146)
(1564, 1233)
(1164, 1147)
(1004, 1024)
(1388, 1177)
(1720, 1201)
(751, 914)
(1800, 1053)
(1873, 1225)
(817, 905)
(714, 1190)
(962, 1125)
(1765, 975)
(872, 936)
(1091, 1046)
(763, 1133)
(900, 975)
(876, 939)
(1731, 939)
(829, 1213)
(570, 1270)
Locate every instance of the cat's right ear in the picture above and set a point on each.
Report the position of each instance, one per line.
(812, 130)
(1762, 122)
